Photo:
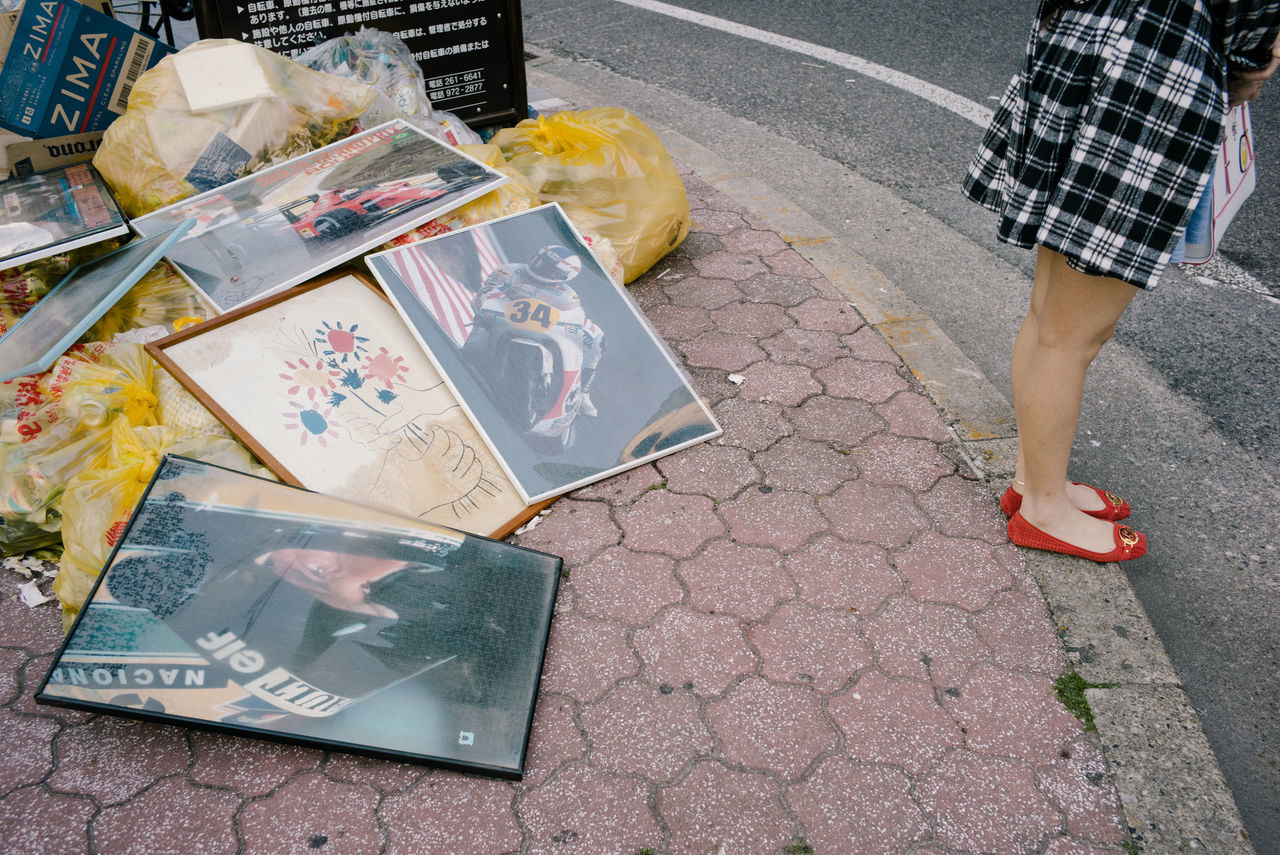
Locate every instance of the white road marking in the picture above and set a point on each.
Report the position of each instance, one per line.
(936, 95)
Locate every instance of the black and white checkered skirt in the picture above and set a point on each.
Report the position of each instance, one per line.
(1101, 144)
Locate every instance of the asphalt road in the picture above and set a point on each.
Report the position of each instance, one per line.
(1181, 414)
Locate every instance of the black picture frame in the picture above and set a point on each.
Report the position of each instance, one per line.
(482, 86)
(238, 604)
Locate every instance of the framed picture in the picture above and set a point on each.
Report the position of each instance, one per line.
(239, 604)
(56, 211)
(329, 388)
(289, 223)
(556, 365)
(78, 301)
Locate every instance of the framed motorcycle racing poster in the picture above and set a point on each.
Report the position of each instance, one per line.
(240, 604)
(327, 386)
(557, 366)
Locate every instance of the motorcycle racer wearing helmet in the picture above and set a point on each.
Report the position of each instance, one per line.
(546, 278)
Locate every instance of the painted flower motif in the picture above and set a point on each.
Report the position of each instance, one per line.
(315, 380)
(311, 423)
(386, 396)
(340, 343)
(385, 367)
(351, 379)
(336, 399)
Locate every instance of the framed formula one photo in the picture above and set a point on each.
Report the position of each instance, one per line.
(289, 223)
(553, 360)
(240, 604)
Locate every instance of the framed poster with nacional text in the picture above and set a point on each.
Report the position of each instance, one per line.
(471, 52)
(240, 604)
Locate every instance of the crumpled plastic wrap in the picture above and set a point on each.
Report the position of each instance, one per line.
(99, 500)
(612, 176)
(161, 151)
(385, 62)
(160, 298)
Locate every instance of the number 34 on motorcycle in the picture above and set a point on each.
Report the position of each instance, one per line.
(532, 315)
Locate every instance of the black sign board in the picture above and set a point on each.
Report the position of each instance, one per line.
(471, 51)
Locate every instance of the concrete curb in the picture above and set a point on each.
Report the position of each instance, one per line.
(1173, 793)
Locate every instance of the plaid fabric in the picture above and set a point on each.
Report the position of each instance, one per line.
(1102, 143)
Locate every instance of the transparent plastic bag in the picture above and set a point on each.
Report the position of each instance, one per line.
(161, 150)
(612, 176)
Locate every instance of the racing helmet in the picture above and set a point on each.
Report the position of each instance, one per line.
(554, 264)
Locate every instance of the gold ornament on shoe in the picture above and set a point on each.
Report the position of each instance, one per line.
(1111, 497)
(1128, 536)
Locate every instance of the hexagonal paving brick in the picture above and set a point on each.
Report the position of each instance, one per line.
(717, 222)
(38, 629)
(647, 731)
(26, 758)
(383, 775)
(841, 422)
(754, 242)
(1067, 846)
(912, 463)
(779, 384)
(772, 728)
(805, 465)
(700, 245)
(446, 812)
(628, 586)
(32, 675)
(783, 290)
(287, 821)
(963, 508)
(717, 471)
(1082, 788)
(778, 519)
(895, 723)
(826, 313)
(669, 523)
(573, 530)
(114, 759)
(701, 293)
(584, 811)
(850, 808)
(813, 348)
(11, 663)
(791, 263)
(36, 822)
(697, 652)
(152, 823)
(913, 414)
(839, 575)
(554, 740)
(751, 425)
(733, 266)
(251, 767)
(714, 805)
(757, 320)
(586, 657)
(941, 569)
(873, 514)
(725, 351)
(1013, 715)
(856, 378)
(925, 642)
(987, 804)
(867, 343)
(1020, 633)
(811, 647)
(679, 323)
(735, 579)
(623, 488)
(648, 293)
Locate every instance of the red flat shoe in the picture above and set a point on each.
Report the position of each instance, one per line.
(1113, 507)
(1129, 543)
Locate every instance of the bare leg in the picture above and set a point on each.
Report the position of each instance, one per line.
(1072, 314)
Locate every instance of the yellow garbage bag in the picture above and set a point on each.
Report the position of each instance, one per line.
(98, 501)
(161, 150)
(612, 176)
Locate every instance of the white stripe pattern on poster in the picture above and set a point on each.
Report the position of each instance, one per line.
(448, 301)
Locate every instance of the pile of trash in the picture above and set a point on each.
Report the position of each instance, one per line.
(80, 440)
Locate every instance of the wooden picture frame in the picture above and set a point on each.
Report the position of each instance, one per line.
(326, 385)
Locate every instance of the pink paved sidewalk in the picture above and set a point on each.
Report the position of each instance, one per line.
(809, 635)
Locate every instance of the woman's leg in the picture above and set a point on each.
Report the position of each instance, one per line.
(1072, 314)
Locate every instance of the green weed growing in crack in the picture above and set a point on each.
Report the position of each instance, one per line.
(798, 846)
(1070, 687)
